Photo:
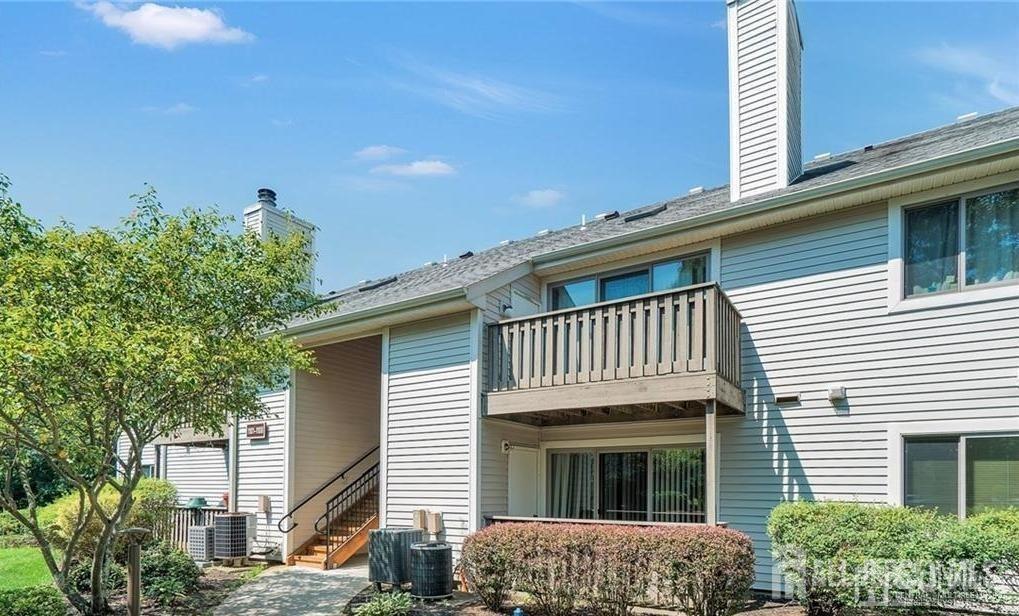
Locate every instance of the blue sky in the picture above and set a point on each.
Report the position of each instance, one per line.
(413, 130)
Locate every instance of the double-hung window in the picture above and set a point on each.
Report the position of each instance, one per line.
(641, 485)
(662, 276)
(962, 243)
(962, 474)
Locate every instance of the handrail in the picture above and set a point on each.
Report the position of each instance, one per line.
(344, 494)
(320, 489)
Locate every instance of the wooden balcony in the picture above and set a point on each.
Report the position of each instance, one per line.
(660, 355)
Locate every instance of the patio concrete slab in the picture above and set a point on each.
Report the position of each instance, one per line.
(298, 591)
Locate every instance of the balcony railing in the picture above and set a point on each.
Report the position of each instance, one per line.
(690, 331)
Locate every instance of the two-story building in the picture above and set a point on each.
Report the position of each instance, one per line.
(845, 329)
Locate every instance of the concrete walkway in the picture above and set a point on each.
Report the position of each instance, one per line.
(283, 591)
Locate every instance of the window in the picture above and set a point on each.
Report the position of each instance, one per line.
(991, 475)
(574, 294)
(662, 276)
(962, 243)
(148, 470)
(657, 485)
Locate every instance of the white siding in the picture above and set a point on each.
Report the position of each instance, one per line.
(261, 470)
(336, 419)
(197, 472)
(428, 423)
(813, 296)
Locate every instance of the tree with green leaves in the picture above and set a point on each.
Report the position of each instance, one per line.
(133, 332)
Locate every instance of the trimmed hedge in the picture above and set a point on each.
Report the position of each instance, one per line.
(706, 571)
(44, 600)
(841, 555)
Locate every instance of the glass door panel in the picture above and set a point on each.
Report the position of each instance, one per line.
(677, 485)
(622, 481)
(571, 493)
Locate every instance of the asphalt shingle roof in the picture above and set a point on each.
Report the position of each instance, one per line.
(459, 273)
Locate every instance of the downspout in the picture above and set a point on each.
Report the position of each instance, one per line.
(234, 457)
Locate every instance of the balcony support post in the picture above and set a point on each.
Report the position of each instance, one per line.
(711, 463)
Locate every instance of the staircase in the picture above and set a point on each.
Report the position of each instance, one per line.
(342, 530)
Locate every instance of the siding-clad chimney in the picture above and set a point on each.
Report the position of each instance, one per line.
(264, 218)
(764, 95)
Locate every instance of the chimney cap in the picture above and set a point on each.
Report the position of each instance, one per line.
(267, 194)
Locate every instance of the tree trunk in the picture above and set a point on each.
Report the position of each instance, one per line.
(99, 604)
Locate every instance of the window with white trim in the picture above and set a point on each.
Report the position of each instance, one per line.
(961, 474)
(605, 287)
(962, 243)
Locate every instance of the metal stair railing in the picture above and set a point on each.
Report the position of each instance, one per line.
(349, 510)
(304, 501)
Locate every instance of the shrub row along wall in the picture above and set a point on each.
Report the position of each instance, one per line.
(706, 571)
(838, 556)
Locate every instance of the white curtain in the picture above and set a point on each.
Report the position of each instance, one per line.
(572, 490)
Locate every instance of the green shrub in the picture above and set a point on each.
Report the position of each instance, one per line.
(80, 577)
(10, 526)
(841, 555)
(154, 501)
(707, 571)
(168, 574)
(44, 600)
(385, 604)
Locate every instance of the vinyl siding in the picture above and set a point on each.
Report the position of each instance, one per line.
(813, 296)
(261, 471)
(336, 419)
(197, 472)
(495, 464)
(428, 423)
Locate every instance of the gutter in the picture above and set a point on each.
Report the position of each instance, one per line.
(377, 311)
(778, 201)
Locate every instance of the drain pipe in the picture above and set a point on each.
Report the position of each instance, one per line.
(232, 443)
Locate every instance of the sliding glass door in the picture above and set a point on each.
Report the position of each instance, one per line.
(645, 485)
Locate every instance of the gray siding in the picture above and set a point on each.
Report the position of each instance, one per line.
(428, 423)
(197, 472)
(261, 470)
(813, 296)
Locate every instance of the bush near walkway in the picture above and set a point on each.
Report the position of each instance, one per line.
(705, 571)
(840, 555)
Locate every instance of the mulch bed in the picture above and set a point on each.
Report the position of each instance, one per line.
(214, 586)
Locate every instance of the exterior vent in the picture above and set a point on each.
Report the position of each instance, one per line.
(696, 190)
(467, 255)
(505, 242)
(608, 215)
(823, 156)
(543, 232)
(646, 213)
(202, 543)
(376, 284)
(967, 116)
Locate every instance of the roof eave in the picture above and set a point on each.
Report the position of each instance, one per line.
(933, 164)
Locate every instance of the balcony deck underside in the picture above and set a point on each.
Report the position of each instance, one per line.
(670, 396)
(189, 437)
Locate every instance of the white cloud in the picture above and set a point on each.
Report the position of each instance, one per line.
(998, 77)
(175, 109)
(540, 198)
(168, 27)
(282, 122)
(254, 80)
(378, 152)
(418, 168)
(473, 94)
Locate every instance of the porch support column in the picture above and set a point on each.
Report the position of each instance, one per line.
(711, 463)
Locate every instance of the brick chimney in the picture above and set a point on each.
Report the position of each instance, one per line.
(764, 96)
(264, 217)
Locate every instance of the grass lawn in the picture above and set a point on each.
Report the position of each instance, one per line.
(20, 567)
